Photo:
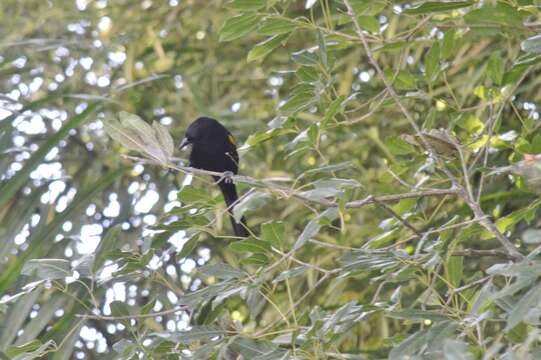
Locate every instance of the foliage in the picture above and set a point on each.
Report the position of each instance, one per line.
(389, 173)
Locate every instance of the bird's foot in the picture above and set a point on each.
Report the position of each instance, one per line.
(227, 177)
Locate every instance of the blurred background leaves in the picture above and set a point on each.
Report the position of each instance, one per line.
(361, 247)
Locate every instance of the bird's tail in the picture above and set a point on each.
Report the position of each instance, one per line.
(229, 191)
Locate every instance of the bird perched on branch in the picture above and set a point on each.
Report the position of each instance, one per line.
(214, 149)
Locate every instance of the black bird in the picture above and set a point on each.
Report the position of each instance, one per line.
(214, 149)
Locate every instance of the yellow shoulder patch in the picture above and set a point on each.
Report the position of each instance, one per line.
(231, 139)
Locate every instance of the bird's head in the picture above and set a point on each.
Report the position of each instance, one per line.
(204, 130)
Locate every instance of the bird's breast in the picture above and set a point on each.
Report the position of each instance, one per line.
(212, 159)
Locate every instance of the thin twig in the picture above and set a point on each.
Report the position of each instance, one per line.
(300, 262)
(332, 246)
(297, 303)
(397, 197)
(467, 286)
(398, 217)
(485, 150)
(434, 231)
(129, 317)
(475, 252)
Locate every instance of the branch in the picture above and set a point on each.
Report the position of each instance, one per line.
(397, 216)
(272, 186)
(474, 252)
(397, 197)
(129, 317)
(269, 184)
(394, 94)
(487, 224)
(467, 286)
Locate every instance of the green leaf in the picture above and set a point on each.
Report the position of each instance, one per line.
(331, 168)
(46, 234)
(125, 348)
(336, 183)
(322, 49)
(18, 313)
(298, 102)
(107, 244)
(264, 48)
(276, 26)
(430, 339)
(256, 259)
(262, 136)
(495, 68)
(305, 57)
(522, 310)
(448, 44)
(251, 202)
(251, 245)
(526, 268)
(221, 271)
(508, 222)
(15, 220)
(47, 269)
(456, 350)
(321, 193)
(10, 187)
(32, 350)
(188, 247)
(273, 232)
(432, 62)
(24, 348)
(119, 308)
(314, 226)
(454, 268)
(238, 26)
(288, 274)
(369, 23)
(499, 14)
(519, 67)
(471, 123)
(404, 79)
(309, 232)
(246, 5)
(397, 146)
(198, 333)
(46, 315)
(417, 315)
(532, 45)
(307, 74)
(256, 350)
(367, 7)
(536, 144)
(392, 46)
(440, 6)
(136, 134)
(84, 266)
(366, 261)
(334, 108)
(190, 194)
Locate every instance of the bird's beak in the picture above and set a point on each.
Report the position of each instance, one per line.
(185, 142)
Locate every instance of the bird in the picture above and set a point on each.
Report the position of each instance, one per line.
(214, 148)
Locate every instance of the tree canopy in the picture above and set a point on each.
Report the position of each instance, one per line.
(389, 173)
